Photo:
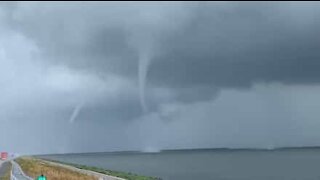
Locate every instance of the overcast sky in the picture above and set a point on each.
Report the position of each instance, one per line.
(108, 76)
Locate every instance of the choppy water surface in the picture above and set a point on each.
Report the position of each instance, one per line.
(288, 164)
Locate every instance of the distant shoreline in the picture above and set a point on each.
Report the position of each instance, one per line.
(189, 150)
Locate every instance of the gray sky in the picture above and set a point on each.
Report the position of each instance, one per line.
(106, 76)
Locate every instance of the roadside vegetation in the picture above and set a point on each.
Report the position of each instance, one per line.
(124, 175)
(33, 168)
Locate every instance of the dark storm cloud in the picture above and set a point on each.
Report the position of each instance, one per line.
(222, 45)
(81, 61)
(218, 45)
(243, 45)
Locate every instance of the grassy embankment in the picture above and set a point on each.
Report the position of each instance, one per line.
(124, 175)
(7, 174)
(33, 168)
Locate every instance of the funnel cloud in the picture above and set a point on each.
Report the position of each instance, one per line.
(76, 112)
(144, 62)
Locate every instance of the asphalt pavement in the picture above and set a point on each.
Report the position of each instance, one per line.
(17, 173)
(4, 167)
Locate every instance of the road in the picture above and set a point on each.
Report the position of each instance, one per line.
(17, 173)
(4, 166)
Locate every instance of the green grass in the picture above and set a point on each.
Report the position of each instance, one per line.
(34, 167)
(124, 175)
